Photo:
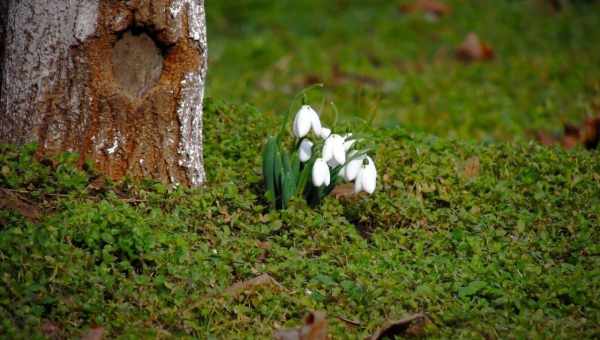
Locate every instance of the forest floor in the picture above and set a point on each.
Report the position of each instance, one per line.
(474, 230)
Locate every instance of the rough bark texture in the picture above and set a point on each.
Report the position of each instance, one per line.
(120, 82)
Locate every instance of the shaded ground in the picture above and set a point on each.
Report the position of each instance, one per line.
(546, 71)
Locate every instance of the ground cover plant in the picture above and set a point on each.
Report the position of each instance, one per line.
(376, 59)
(496, 240)
(486, 232)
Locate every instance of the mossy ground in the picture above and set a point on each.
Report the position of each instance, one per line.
(491, 239)
(508, 248)
(546, 71)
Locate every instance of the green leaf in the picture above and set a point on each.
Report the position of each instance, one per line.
(269, 156)
(472, 289)
(305, 175)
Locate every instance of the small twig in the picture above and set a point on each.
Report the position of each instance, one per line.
(348, 321)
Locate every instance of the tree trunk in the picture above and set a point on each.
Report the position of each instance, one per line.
(120, 82)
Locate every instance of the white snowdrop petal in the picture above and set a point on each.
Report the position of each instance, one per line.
(305, 150)
(303, 121)
(352, 169)
(315, 121)
(369, 179)
(325, 132)
(358, 185)
(295, 127)
(328, 149)
(316, 125)
(339, 153)
(335, 149)
(320, 173)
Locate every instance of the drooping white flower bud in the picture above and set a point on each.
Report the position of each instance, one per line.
(352, 168)
(366, 179)
(325, 132)
(334, 148)
(306, 118)
(320, 173)
(305, 150)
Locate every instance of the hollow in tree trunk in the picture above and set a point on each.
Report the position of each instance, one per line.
(119, 82)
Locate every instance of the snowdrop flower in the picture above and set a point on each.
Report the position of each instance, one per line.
(305, 119)
(352, 168)
(325, 132)
(305, 150)
(320, 173)
(367, 177)
(334, 149)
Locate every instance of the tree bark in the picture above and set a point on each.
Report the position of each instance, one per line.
(119, 82)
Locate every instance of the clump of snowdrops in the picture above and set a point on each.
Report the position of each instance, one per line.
(315, 161)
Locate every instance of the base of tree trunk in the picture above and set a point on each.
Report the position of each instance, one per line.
(121, 83)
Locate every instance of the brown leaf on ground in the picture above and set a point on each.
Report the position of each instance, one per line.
(343, 191)
(586, 134)
(252, 284)
(571, 136)
(431, 7)
(410, 326)
(263, 245)
(545, 138)
(12, 200)
(315, 328)
(311, 79)
(471, 168)
(266, 247)
(95, 333)
(473, 49)
(339, 76)
(552, 6)
(50, 329)
(591, 132)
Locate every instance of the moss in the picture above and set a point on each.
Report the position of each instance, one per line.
(505, 248)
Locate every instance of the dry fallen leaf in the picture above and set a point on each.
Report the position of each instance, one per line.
(473, 49)
(50, 329)
(545, 138)
(412, 325)
(95, 333)
(315, 328)
(586, 134)
(263, 245)
(591, 132)
(343, 190)
(339, 77)
(472, 167)
(431, 7)
(250, 285)
(12, 200)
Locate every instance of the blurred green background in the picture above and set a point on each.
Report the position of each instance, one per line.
(378, 62)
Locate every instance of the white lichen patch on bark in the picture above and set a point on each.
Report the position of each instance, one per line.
(117, 140)
(190, 119)
(190, 106)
